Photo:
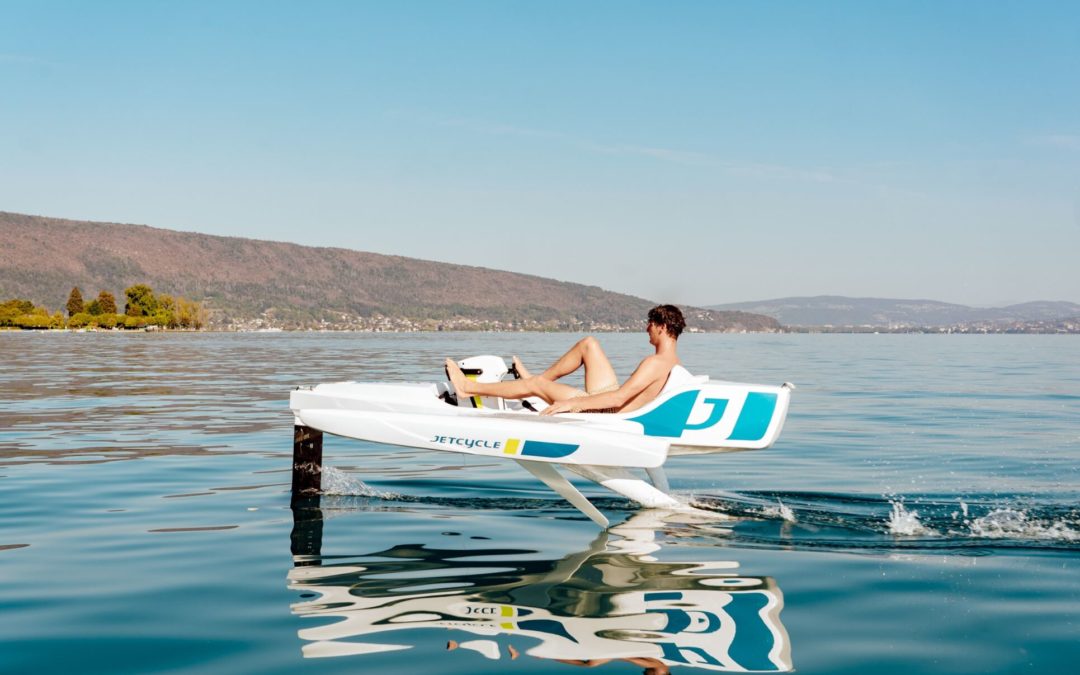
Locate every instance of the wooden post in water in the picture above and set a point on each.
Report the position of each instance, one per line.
(306, 462)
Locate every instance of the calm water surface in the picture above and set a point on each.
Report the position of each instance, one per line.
(918, 514)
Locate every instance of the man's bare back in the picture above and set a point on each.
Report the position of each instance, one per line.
(658, 368)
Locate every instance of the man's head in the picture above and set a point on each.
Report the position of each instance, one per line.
(668, 318)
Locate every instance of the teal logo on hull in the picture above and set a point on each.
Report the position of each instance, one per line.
(754, 418)
(671, 418)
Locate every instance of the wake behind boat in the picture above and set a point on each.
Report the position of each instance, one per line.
(691, 415)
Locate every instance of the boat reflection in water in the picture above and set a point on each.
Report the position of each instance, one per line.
(613, 601)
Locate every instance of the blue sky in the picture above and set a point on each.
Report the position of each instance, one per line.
(692, 152)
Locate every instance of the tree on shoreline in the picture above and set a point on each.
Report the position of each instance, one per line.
(143, 310)
(140, 301)
(75, 302)
(18, 313)
(107, 302)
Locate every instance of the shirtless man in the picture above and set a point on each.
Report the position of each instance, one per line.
(602, 390)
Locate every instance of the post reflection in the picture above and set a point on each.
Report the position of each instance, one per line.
(612, 601)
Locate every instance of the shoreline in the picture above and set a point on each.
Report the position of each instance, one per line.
(785, 331)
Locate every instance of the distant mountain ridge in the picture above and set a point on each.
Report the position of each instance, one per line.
(240, 279)
(835, 310)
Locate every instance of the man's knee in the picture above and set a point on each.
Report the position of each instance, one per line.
(536, 384)
(589, 342)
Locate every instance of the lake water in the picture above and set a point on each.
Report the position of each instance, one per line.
(919, 513)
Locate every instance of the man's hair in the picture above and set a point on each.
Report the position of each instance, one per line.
(669, 318)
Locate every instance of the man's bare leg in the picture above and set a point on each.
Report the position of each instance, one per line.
(531, 386)
(587, 352)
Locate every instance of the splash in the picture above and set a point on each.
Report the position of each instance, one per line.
(906, 523)
(1009, 523)
(338, 483)
(974, 524)
(781, 511)
(963, 513)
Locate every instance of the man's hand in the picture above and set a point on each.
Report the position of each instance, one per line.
(558, 407)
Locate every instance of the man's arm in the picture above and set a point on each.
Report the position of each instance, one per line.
(648, 372)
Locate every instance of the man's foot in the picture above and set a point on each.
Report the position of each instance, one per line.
(457, 378)
(522, 371)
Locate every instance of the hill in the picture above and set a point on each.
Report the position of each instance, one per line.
(241, 281)
(834, 310)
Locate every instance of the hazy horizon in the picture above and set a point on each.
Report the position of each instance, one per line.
(694, 153)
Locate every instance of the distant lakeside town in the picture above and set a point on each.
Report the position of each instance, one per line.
(387, 324)
(1065, 327)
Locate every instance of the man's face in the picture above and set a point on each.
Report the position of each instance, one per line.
(654, 332)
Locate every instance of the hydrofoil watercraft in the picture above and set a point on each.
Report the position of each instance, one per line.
(691, 415)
